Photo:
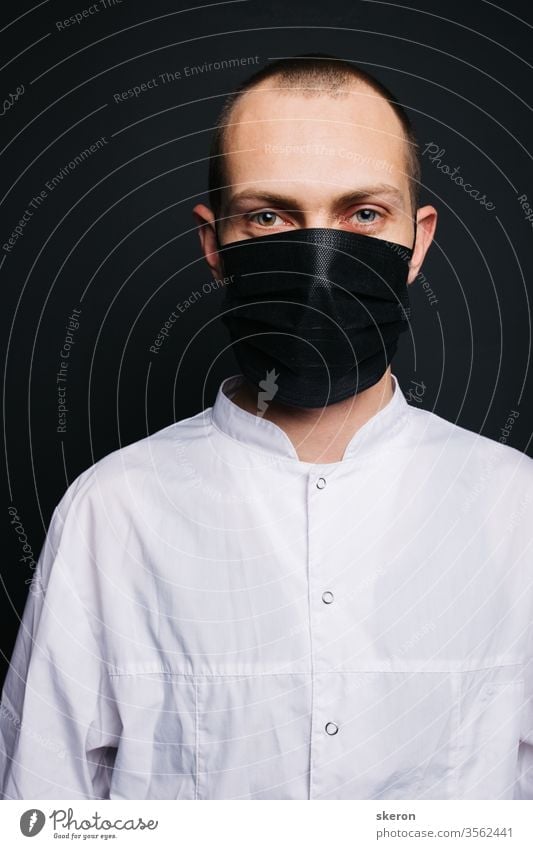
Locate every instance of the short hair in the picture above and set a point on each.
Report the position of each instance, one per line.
(308, 72)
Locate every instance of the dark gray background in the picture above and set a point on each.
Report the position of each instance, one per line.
(116, 238)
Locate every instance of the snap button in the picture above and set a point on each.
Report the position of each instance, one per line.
(331, 728)
(321, 483)
(327, 597)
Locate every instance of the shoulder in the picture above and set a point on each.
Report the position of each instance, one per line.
(458, 445)
(137, 467)
(463, 448)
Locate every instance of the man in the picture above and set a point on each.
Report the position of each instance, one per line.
(311, 590)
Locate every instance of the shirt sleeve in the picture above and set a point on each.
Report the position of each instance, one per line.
(524, 782)
(58, 722)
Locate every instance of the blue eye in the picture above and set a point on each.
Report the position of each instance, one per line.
(269, 218)
(366, 216)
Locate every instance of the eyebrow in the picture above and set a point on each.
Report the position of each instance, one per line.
(346, 199)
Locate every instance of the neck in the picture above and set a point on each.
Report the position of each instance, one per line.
(320, 435)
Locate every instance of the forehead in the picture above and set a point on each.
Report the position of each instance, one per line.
(341, 139)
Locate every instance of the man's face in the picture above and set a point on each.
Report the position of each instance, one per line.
(295, 161)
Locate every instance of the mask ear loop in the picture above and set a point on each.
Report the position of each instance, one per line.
(414, 238)
(415, 229)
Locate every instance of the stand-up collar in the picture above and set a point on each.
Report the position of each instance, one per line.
(263, 435)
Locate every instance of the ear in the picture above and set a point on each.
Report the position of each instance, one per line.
(426, 223)
(205, 220)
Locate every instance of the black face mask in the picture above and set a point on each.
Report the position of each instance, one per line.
(315, 314)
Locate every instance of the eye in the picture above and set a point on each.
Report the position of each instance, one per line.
(266, 218)
(366, 216)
